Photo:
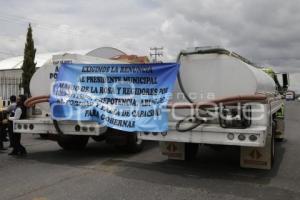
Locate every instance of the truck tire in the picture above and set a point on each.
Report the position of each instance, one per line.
(191, 150)
(132, 144)
(217, 147)
(124, 141)
(272, 150)
(99, 138)
(44, 136)
(72, 142)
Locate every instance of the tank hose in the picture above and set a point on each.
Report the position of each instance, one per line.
(57, 128)
(197, 122)
(180, 81)
(41, 99)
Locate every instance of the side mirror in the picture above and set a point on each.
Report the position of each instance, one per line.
(285, 80)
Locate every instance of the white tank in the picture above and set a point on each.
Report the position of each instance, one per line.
(44, 77)
(209, 76)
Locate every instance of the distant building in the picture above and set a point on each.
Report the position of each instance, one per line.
(132, 58)
(11, 72)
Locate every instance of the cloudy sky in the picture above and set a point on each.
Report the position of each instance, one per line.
(264, 31)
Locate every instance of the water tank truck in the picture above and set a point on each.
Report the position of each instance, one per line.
(72, 135)
(221, 98)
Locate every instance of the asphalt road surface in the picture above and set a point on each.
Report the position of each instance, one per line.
(101, 172)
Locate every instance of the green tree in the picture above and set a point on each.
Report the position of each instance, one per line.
(28, 67)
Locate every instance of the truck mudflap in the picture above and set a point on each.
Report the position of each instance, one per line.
(46, 126)
(258, 157)
(173, 150)
(179, 150)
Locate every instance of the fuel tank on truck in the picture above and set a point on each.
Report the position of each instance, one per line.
(44, 77)
(208, 74)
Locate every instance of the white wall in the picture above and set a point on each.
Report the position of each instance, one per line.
(9, 83)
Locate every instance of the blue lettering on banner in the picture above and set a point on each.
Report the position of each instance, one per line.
(128, 97)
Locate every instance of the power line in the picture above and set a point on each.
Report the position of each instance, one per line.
(37, 24)
(6, 53)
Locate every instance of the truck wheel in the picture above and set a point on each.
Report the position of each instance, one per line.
(217, 147)
(124, 141)
(72, 142)
(44, 136)
(191, 150)
(133, 144)
(279, 139)
(272, 150)
(99, 138)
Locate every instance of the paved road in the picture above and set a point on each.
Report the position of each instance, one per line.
(101, 172)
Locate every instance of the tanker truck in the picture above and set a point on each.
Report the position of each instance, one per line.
(71, 135)
(221, 98)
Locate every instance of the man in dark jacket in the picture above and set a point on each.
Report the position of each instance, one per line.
(3, 127)
(4, 124)
(19, 113)
(10, 110)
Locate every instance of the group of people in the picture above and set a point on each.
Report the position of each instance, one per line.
(16, 110)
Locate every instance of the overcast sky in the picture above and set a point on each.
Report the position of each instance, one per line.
(264, 31)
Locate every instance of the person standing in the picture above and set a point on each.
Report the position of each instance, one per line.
(4, 122)
(2, 128)
(10, 109)
(2, 131)
(19, 113)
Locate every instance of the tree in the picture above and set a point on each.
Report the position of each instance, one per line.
(28, 66)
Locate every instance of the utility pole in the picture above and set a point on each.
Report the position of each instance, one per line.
(156, 52)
